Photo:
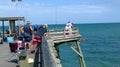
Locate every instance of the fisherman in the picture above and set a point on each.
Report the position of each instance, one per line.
(28, 30)
(42, 30)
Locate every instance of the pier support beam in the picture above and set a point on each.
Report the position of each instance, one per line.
(82, 62)
(12, 26)
(78, 50)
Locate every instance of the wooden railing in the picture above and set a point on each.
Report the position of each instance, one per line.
(60, 33)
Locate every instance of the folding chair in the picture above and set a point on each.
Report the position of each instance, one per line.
(15, 48)
(13, 51)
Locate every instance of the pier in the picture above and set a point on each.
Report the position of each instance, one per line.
(51, 44)
(48, 54)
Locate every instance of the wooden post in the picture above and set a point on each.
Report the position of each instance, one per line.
(12, 26)
(82, 62)
(3, 29)
(9, 28)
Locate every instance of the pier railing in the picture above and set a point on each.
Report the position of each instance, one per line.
(60, 34)
(47, 58)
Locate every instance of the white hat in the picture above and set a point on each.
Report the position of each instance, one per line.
(45, 25)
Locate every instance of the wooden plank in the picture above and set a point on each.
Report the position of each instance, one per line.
(66, 40)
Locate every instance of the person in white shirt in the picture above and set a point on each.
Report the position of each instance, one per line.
(68, 29)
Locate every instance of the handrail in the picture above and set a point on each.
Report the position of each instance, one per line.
(48, 60)
(60, 33)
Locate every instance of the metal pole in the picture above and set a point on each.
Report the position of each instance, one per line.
(16, 4)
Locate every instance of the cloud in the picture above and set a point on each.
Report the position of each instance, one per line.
(83, 9)
(47, 8)
(63, 12)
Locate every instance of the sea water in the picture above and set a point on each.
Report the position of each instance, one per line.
(102, 48)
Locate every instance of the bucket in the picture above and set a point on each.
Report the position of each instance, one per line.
(19, 43)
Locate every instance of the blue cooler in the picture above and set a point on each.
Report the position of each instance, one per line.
(10, 39)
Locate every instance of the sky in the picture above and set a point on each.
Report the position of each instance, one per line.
(62, 11)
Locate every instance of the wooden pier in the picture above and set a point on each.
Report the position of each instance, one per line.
(48, 54)
(50, 44)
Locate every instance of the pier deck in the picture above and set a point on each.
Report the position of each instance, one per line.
(4, 55)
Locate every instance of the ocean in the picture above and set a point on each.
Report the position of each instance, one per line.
(101, 48)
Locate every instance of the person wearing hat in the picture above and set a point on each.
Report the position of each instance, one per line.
(28, 33)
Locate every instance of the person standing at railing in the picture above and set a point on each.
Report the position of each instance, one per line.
(42, 30)
(28, 30)
(37, 39)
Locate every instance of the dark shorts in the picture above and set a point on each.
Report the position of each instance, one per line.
(28, 38)
(35, 29)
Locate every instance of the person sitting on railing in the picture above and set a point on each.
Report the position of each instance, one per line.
(68, 29)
